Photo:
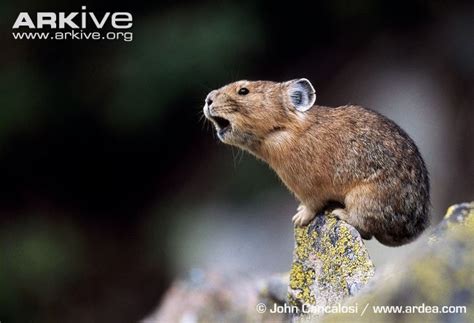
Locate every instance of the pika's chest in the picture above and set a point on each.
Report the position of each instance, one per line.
(300, 179)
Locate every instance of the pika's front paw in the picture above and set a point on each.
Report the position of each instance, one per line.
(303, 217)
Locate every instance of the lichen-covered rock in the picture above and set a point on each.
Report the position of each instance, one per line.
(434, 285)
(457, 214)
(330, 263)
(207, 296)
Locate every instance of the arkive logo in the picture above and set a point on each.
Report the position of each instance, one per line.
(79, 24)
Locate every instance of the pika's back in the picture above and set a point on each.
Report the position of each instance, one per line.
(364, 140)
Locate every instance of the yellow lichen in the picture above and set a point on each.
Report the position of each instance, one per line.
(335, 259)
(450, 211)
(301, 279)
(304, 241)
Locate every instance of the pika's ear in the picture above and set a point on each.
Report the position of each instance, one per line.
(302, 94)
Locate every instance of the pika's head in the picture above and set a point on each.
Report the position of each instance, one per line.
(246, 113)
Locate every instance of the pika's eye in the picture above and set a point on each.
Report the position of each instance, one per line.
(243, 91)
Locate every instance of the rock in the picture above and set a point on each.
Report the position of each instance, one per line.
(207, 296)
(331, 267)
(439, 277)
(330, 263)
(274, 289)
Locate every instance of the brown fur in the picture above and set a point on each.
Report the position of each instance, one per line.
(347, 154)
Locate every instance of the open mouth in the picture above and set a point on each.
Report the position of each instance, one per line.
(223, 125)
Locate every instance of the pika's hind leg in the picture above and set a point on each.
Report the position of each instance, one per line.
(342, 214)
(303, 216)
(380, 209)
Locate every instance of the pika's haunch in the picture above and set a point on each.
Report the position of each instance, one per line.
(348, 155)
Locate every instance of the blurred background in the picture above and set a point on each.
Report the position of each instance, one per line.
(111, 186)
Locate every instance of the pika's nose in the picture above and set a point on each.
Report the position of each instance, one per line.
(210, 98)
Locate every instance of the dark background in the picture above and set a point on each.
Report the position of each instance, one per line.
(111, 186)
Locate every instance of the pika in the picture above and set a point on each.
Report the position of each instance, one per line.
(347, 155)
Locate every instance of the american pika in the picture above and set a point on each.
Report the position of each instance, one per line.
(349, 155)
